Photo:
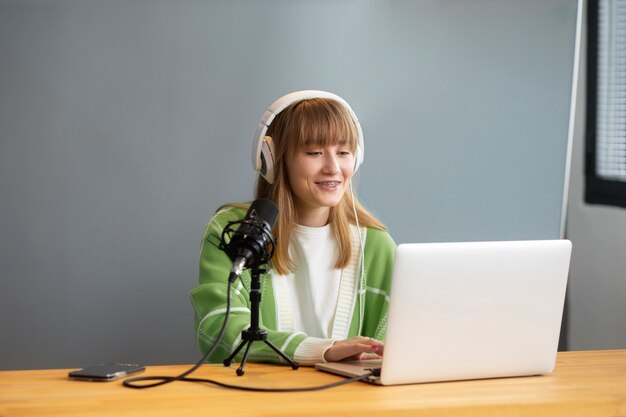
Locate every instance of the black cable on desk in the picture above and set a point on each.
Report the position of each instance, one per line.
(162, 380)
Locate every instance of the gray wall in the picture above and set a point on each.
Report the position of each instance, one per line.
(124, 124)
(597, 281)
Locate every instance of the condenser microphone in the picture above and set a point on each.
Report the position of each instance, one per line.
(251, 243)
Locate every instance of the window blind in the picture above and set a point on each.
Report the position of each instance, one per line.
(611, 91)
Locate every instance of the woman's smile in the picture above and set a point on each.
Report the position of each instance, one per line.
(328, 185)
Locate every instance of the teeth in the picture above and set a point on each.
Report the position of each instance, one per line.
(330, 183)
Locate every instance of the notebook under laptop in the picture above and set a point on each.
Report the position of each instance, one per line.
(471, 310)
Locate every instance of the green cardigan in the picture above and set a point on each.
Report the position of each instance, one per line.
(209, 299)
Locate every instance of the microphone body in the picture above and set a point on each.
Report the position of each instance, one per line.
(251, 244)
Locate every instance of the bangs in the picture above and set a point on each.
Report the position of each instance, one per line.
(321, 122)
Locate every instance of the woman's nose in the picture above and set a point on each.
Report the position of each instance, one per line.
(331, 164)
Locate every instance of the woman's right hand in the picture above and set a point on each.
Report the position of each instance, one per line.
(355, 348)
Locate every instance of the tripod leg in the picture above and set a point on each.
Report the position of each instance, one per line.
(244, 359)
(293, 364)
(229, 359)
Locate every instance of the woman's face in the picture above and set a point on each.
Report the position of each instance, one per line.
(319, 176)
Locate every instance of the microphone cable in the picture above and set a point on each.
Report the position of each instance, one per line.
(162, 380)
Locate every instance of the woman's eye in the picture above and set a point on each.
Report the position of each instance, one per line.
(344, 153)
(313, 153)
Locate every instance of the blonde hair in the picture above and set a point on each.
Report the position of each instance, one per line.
(311, 122)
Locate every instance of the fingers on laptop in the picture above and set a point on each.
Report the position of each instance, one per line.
(368, 356)
(355, 348)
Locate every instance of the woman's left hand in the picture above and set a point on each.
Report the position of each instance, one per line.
(355, 348)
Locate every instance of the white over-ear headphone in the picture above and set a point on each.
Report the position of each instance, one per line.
(263, 155)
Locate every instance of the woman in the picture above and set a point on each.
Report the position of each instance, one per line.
(325, 294)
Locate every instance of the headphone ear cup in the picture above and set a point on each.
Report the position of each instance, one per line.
(267, 159)
(360, 151)
(358, 158)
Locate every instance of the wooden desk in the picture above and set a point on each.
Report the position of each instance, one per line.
(591, 383)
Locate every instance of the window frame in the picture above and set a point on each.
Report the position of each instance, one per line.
(598, 190)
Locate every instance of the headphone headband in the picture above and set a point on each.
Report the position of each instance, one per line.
(262, 146)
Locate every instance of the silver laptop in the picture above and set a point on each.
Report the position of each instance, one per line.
(470, 311)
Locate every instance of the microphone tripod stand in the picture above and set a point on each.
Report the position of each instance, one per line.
(254, 333)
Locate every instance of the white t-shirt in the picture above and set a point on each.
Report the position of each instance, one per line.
(314, 287)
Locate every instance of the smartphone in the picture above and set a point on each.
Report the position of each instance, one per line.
(106, 372)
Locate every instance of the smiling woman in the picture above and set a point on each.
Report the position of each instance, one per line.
(325, 298)
(319, 177)
(321, 164)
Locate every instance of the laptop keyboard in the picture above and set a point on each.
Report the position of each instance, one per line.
(370, 363)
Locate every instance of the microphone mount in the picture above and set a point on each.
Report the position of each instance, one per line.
(259, 247)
